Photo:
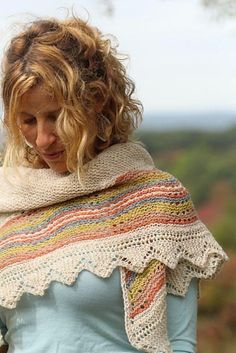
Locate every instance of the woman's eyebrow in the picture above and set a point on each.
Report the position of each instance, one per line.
(25, 113)
(47, 112)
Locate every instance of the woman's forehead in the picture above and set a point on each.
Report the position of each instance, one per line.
(38, 100)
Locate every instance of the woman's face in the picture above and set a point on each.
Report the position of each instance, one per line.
(36, 118)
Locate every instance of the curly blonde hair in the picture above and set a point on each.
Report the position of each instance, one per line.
(81, 69)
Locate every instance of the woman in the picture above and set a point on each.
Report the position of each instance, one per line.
(99, 251)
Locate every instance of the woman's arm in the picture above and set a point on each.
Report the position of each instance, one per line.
(182, 320)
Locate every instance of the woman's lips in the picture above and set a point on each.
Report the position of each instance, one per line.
(52, 156)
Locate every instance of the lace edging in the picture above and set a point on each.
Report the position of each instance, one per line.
(187, 252)
(154, 321)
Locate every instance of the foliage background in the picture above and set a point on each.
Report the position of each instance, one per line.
(205, 163)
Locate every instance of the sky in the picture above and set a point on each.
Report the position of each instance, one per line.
(181, 58)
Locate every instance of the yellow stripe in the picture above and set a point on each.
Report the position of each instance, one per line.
(141, 279)
(138, 211)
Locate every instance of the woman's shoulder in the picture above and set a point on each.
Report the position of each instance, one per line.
(159, 183)
(166, 179)
(158, 195)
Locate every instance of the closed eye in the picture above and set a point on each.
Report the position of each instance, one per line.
(29, 121)
(52, 117)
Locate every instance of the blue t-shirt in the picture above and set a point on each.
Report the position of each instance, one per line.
(88, 317)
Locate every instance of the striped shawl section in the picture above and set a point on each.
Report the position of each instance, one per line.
(144, 223)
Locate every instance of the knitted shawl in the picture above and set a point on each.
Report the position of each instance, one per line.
(122, 213)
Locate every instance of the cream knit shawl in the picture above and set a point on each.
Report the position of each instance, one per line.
(154, 258)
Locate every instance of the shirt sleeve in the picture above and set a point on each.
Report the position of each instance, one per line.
(3, 331)
(182, 319)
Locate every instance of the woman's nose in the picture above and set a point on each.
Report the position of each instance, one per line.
(45, 136)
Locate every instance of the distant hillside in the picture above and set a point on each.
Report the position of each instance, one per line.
(189, 120)
(205, 163)
(163, 121)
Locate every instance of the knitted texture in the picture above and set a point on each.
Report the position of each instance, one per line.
(28, 188)
(125, 214)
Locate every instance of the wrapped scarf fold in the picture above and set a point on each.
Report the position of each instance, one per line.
(125, 213)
